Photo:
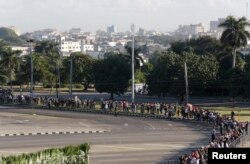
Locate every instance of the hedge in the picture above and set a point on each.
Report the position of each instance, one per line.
(66, 155)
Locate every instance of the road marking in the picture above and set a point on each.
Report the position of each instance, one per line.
(150, 125)
(121, 147)
(84, 124)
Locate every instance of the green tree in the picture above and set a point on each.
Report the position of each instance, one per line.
(201, 46)
(10, 36)
(137, 58)
(164, 73)
(51, 52)
(235, 34)
(10, 62)
(41, 69)
(112, 75)
(82, 69)
(167, 76)
(46, 47)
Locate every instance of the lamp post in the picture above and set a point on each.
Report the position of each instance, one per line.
(186, 83)
(30, 41)
(133, 68)
(71, 72)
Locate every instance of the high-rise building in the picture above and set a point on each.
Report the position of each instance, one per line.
(141, 32)
(132, 28)
(193, 29)
(214, 25)
(111, 29)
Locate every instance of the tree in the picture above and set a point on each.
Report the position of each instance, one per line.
(201, 46)
(10, 36)
(46, 47)
(164, 73)
(10, 62)
(138, 59)
(112, 75)
(167, 76)
(235, 34)
(82, 69)
(41, 69)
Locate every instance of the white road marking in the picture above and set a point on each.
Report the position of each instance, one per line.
(84, 124)
(120, 147)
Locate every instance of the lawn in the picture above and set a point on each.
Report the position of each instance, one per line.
(242, 114)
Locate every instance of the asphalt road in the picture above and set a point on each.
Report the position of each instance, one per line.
(130, 140)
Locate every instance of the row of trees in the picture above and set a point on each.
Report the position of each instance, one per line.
(214, 67)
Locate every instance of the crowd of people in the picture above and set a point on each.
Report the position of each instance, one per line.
(224, 134)
(226, 129)
(6, 95)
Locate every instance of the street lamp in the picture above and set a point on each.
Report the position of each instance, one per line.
(30, 41)
(71, 72)
(186, 83)
(133, 68)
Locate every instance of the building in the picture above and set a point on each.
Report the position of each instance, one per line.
(111, 29)
(141, 32)
(214, 25)
(24, 50)
(75, 31)
(193, 29)
(132, 28)
(68, 47)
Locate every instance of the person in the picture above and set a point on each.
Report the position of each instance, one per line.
(232, 115)
(221, 128)
(213, 132)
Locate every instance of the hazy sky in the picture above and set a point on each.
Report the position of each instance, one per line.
(90, 15)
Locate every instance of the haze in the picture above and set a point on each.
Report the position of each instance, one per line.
(90, 15)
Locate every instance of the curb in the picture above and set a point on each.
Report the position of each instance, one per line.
(53, 133)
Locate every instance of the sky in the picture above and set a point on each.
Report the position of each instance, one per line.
(91, 15)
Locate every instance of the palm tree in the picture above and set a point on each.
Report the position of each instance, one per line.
(10, 62)
(235, 35)
(138, 59)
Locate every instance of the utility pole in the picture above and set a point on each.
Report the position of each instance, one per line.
(186, 83)
(247, 10)
(30, 41)
(133, 68)
(71, 70)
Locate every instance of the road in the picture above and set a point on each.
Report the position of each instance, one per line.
(130, 140)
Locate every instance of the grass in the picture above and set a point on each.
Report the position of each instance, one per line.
(241, 114)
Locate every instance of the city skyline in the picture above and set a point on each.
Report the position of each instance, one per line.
(160, 15)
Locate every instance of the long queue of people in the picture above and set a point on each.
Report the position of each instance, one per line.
(225, 133)
(226, 129)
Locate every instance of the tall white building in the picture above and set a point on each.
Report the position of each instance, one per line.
(193, 29)
(68, 47)
(132, 28)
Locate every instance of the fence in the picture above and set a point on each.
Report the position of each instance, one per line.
(169, 162)
(74, 159)
(241, 140)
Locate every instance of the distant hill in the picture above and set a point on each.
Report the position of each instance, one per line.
(10, 36)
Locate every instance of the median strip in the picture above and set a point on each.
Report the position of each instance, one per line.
(52, 133)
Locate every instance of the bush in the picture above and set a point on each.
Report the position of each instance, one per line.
(49, 155)
(78, 86)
